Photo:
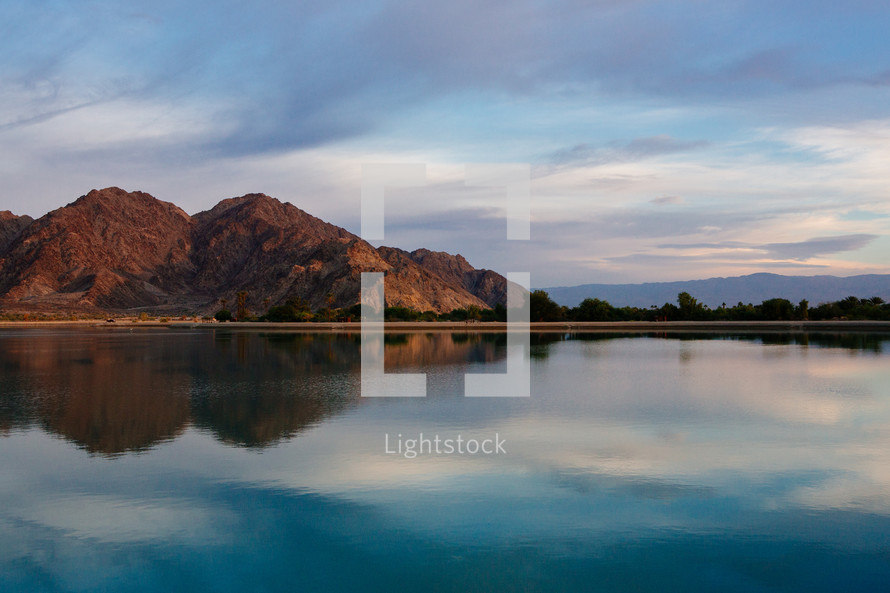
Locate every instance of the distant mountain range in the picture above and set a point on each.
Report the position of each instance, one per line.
(113, 250)
(754, 288)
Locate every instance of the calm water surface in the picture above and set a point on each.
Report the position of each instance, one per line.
(198, 460)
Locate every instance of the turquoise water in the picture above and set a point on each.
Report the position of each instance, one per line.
(198, 460)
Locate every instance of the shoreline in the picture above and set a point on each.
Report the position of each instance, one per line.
(459, 326)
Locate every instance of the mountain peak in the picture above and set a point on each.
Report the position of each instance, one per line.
(424, 254)
(119, 200)
(245, 199)
(256, 203)
(113, 249)
(11, 226)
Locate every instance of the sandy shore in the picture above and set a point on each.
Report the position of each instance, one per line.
(402, 326)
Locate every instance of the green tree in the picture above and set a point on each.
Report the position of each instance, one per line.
(690, 308)
(669, 312)
(400, 314)
(594, 310)
(294, 309)
(241, 312)
(543, 308)
(499, 313)
(327, 312)
(223, 315)
(849, 304)
(777, 309)
(803, 310)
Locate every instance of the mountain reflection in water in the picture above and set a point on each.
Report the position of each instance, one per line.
(113, 392)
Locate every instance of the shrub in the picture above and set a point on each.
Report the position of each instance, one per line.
(223, 315)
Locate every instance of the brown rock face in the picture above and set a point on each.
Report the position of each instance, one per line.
(11, 226)
(490, 287)
(271, 250)
(114, 250)
(109, 249)
(277, 251)
(414, 283)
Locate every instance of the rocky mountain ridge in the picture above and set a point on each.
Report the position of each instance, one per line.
(113, 250)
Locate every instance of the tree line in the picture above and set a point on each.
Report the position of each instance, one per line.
(543, 308)
(688, 308)
(297, 309)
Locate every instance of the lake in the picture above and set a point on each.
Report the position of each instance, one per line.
(231, 460)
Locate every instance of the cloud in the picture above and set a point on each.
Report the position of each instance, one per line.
(857, 215)
(621, 152)
(804, 250)
(481, 221)
(328, 71)
(667, 200)
(635, 223)
(692, 261)
(798, 250)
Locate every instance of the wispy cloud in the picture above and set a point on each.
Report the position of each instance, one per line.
(663, 200)
(675, 260)
(804, 250)
(622, 152)
(797, 250)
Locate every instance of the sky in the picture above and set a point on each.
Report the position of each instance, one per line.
(666, 140)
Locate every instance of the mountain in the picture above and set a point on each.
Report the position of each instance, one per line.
(487, 285)
(109, 249)
(118, 250)
(11, 226)
(754, 288)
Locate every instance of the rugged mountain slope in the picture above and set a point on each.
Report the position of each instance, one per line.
(414, 281)
(108, 249)
(489, 286)
(274, 250)
(256, 243)
(115, 250)
(11, 226)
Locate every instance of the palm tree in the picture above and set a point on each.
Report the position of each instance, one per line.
(242, 312)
